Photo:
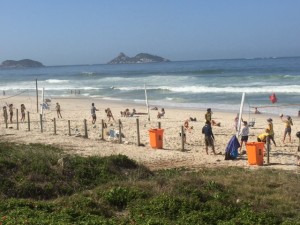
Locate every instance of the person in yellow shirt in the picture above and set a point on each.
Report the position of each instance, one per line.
(263, 136)
(208, 115)
(288, 127)
(270, 127)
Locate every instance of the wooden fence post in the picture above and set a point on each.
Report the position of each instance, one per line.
(85, 129)
(138, 131)
(159, 125)
(69, 125)
(28, 120)
(54, 122)
(182, 138)
(268, 150)
(6, 118)
(102, 130)
(41, 121)
(17, 112)
(120, 132)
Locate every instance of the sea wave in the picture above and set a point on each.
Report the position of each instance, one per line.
(238, 89)
(55, 81)
(213, 89)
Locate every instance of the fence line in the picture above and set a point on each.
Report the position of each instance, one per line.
(105, 129)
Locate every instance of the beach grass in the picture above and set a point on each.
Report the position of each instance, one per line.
(41, 184)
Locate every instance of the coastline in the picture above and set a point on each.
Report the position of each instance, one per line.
(76, 109)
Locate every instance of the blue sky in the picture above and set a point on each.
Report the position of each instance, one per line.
(68, 32)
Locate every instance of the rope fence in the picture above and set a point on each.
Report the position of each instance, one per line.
(123, 131)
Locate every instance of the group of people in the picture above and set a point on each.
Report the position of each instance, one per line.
(267, 135)
(127, 113)
(11, 113)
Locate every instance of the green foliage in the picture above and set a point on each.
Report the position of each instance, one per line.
(41, 185)
(121, 196)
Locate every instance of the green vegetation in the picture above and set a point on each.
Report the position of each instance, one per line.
(42, 185)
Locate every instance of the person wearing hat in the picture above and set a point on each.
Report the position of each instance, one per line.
(288, 127)
(208, 115)
(271, 129)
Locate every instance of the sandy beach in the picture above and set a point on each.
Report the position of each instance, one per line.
(283, 156)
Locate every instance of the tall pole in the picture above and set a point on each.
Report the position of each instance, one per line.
(146, 98)
(42, 100)
(37, 96)
(240, 115)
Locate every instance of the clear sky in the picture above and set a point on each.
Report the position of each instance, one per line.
(69, 32)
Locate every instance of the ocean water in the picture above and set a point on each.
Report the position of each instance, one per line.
(217, 84)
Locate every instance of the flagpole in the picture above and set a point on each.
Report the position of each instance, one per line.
(240, 115)
(147, 105)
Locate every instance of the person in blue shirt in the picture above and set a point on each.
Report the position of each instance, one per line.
(208, 137)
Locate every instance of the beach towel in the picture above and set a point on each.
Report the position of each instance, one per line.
(231, 151)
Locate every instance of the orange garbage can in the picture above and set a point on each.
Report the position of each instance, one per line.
(156, 138)
(255, 153)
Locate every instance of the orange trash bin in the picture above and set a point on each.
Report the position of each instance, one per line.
(255, 153)
(156, 138)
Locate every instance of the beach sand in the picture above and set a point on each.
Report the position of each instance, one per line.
(284, 156)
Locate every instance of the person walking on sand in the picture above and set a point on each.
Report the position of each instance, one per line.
(208, 137)
(23, 108)
(244, 134)
(288, 127)
(208, 115)
(109, 114)
(271, 133)
(58, 110)
(11, 112)
(93, 113)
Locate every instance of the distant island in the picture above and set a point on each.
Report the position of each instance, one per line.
(24, 63)
(139, 58)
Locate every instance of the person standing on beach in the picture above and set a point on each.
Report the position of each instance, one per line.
(271, 133)
(244, 134)
(93, 112)
(288, 127)
(208, 115)
(11, 112)
(58, 110)
(208, 137)
(23, 108)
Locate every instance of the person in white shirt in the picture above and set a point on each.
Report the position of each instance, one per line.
(244, 134)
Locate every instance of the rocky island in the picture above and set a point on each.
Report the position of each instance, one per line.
(139, 58)
(24, 63)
